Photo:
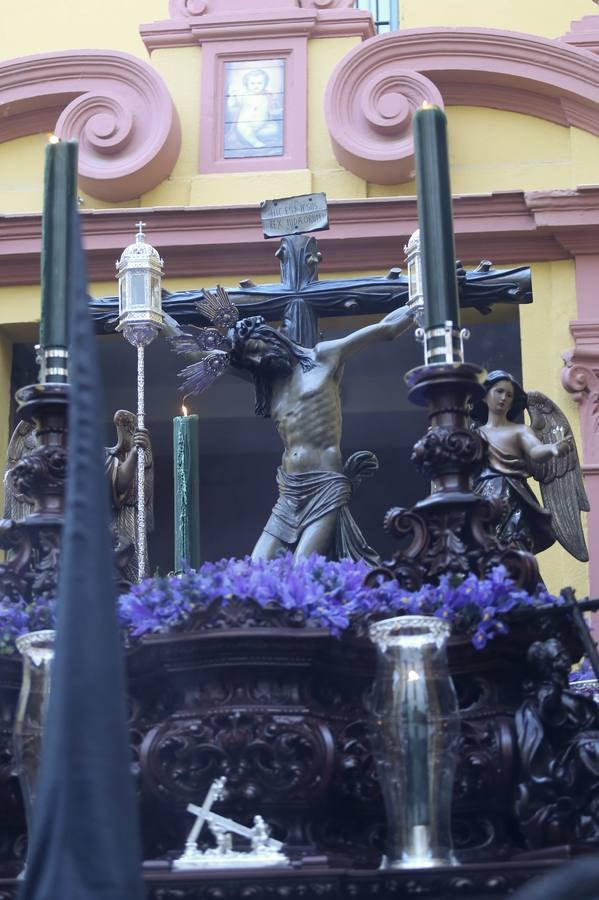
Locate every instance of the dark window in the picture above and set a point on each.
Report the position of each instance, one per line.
(240, 452)
(384, 13)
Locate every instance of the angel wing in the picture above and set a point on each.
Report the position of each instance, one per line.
(198, 340)
(560, 477)
(22, 442)
(217, 306)
(200, 375)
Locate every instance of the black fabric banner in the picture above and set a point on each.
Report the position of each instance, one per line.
(84, 842)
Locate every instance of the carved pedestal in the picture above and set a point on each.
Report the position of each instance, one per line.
(282, 714)
(453, 530)
(281, 711)
(33, 544)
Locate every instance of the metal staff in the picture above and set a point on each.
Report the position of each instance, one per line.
(139, 273)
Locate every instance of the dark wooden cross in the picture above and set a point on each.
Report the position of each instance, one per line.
(299, 298)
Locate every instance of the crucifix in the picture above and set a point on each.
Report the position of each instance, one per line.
(300, 298)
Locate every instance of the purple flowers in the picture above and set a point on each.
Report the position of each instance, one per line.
(329, 595)
(319, 593)
(17, 617)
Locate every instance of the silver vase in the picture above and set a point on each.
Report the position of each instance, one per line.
(415, 732)
(37, 650)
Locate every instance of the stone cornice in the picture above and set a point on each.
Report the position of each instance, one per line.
(584, 33)
(377, 86)
(316, 21)
(508, 227)
(116, 105)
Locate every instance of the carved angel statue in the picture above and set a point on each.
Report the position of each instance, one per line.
(121, 470)
(544, 450)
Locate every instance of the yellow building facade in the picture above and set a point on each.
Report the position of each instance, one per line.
(149, 91)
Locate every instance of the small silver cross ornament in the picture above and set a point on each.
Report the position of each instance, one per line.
(265, 851)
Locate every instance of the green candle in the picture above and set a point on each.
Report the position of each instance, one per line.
(60, 182)
(435, 218)
(187, 491)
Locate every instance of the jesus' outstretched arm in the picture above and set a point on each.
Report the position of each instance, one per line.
(394, 324)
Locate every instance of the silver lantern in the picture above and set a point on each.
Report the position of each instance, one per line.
(139, 273)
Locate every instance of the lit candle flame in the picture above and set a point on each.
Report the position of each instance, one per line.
(53, 139)
(413, 676)
(184, 410)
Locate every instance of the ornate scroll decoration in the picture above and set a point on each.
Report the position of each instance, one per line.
(557, 801)
(116, 105)
(265, 756)
(441, 447)
(42, 471)
(355, 775)
(580, 377)
(375, 89)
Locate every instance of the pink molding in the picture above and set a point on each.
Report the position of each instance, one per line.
(584, 33)
(195, 22)
(189, 8)
(374, 90)
(327, 4)
(214, 56)
(201, 242)
(192, 8)
(573, 216)
(580, 377)
(116, 105)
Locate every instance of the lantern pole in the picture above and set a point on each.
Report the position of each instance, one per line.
(141, 468)
(141, 319)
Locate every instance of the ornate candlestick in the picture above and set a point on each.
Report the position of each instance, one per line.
(36, 478)
(452, 530)
(139, 271)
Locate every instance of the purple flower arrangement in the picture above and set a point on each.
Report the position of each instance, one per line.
(318, 592)
(329, 595)
(18, 617)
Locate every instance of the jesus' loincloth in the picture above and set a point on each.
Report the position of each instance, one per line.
(306, 497)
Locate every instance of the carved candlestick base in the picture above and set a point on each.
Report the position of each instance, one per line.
(453, 529)
(33, 543)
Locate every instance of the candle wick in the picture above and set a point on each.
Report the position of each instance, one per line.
(184, 406)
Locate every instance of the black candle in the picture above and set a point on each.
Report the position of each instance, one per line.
(435, 218)
(60, 180)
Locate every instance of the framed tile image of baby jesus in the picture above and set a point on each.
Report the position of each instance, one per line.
(254, 108)
(254, 97)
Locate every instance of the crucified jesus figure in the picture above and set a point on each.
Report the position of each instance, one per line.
(299, 388)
